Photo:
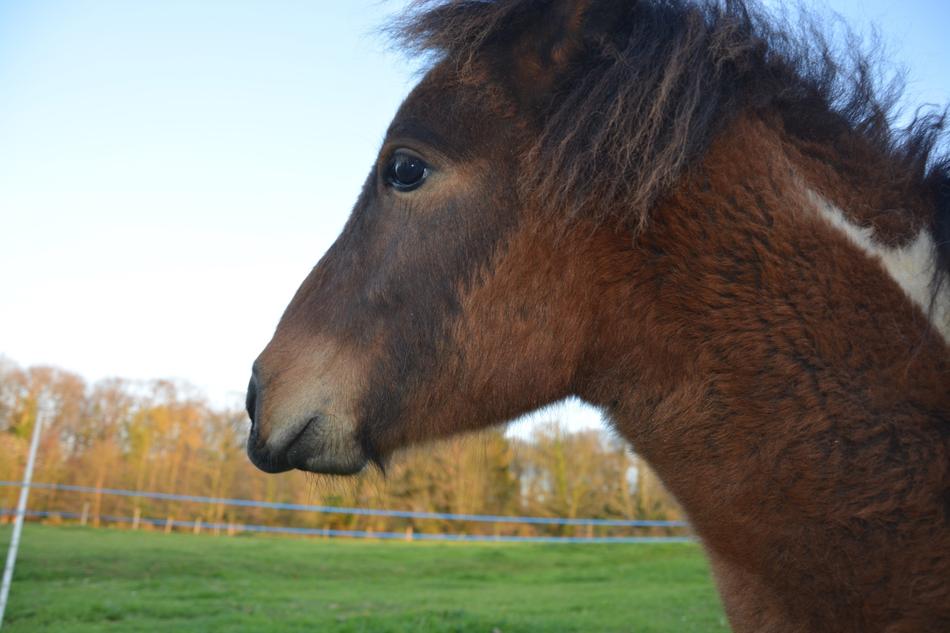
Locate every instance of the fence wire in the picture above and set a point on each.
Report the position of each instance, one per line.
(231, 527)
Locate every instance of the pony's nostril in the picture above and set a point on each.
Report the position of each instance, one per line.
(251, 402)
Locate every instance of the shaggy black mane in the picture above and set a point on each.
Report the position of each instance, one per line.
(654, 81)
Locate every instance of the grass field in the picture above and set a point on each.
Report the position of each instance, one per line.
(85, 580)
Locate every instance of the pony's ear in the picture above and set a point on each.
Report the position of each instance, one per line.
(552, 45)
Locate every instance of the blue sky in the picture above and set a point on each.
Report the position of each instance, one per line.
(170, 170)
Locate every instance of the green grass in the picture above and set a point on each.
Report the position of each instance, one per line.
(85, 580)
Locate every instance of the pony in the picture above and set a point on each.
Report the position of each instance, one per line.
(698, 219)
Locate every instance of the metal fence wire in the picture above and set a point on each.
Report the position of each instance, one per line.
(232, 528)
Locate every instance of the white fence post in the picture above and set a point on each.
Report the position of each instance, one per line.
(20, 514)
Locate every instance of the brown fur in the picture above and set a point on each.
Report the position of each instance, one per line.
(788, 392)
(650, 84)
(829, 447)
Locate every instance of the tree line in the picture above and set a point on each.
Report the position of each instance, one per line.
(165, 436)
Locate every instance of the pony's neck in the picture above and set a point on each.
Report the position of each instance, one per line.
(790, 394)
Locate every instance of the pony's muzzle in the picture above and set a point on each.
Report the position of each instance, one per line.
(281, 455)
(317, 442)
(250, 402)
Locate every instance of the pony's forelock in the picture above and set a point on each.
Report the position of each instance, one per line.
(648, 90)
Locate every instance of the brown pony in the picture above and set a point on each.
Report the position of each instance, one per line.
(687, 215)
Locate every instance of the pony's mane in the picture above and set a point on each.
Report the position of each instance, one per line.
(654, 81)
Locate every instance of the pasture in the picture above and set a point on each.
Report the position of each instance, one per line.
(90, 580)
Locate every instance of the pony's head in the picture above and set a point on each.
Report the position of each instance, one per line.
(478, 275)
(451, 300)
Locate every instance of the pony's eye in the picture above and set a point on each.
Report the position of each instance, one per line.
(406, 172)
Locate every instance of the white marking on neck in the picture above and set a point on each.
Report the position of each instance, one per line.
(911, 265)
